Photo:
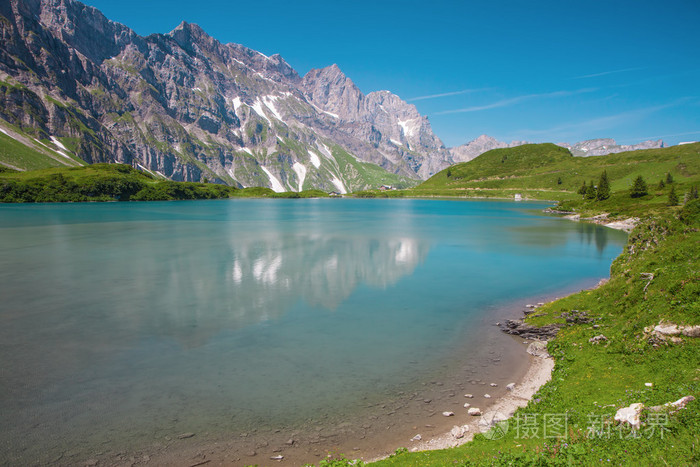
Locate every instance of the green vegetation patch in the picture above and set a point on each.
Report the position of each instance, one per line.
(547, 171)
(16, 154)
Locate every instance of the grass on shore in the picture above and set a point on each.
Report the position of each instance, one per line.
(549, 172)
(117, 182)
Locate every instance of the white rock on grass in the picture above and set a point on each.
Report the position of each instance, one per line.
(474, 411)
(630, 415)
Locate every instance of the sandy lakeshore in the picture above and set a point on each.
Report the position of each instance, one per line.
(538, 373)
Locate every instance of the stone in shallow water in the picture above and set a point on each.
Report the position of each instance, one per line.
(417, 438)
(474, 411)
(185, 435)
(510, 386)
(469, 396)
(448, 414)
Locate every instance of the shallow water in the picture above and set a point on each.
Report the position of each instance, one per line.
(124, 323)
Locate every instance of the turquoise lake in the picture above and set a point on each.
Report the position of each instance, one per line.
(125, 322)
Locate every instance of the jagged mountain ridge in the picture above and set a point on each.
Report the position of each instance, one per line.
(591, 147)
(604, 146)
(188, 107)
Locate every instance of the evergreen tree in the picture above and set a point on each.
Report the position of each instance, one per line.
(673, 197)
(669, 178)
(591, 191)
(583, 189)
(692, 194)
(661, 184)
(639, 188)
(603, 187)
(559, 181)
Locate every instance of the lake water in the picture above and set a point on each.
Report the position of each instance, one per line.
(122, 324)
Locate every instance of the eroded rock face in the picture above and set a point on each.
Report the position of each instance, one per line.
(186, 106)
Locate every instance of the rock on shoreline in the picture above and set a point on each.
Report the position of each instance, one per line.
(517, 327)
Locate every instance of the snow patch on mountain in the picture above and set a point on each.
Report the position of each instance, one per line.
(339, 185)
(274, 181)
(269, 102)
(300, 170)
(408, 127)
(314, 158)
(257, 107)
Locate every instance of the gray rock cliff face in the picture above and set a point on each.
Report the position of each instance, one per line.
(186, 106)
(604, 146)
(478, 146)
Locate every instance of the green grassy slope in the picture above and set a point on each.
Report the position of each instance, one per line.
(20, 156)
(546, 171)
(115, 182)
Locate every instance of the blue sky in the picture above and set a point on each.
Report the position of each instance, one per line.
(559, 71)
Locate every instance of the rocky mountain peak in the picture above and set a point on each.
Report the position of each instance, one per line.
(77, 25)
(333, 92)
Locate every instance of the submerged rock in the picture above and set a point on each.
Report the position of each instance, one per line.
(448, 414)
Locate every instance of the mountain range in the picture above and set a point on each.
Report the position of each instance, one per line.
(80, 88)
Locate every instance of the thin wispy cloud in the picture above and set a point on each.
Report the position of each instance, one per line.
(612, 72)
(516, 100)
(447, 94)
(687, 133)
(599, 124)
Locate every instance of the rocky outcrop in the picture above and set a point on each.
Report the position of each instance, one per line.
(478, 146)
(604, 146)
(517, 327)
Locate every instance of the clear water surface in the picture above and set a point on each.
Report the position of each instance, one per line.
(120, 322)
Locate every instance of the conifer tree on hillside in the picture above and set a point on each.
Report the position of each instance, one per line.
(582, 190)
(673, 197)
(669, 178)
(591, 191)
(639, 188)
(603, 191)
